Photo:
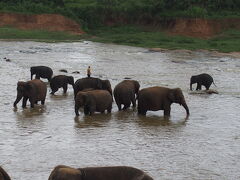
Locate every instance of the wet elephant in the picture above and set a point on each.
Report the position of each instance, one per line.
(93, 101)
(34, 90)
(124, 93)
(160, 98)
(62, 172)
(201, 80)
(61, 81)
(41, 72)
(94, 83)
(3, 174)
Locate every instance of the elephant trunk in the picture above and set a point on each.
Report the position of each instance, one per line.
(191, 86)
(186, 107)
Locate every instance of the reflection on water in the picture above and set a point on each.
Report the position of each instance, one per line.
(205, 145)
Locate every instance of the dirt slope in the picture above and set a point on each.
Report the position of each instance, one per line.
(50, 22)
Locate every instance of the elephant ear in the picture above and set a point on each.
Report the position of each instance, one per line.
(171, 95)
(99, 84)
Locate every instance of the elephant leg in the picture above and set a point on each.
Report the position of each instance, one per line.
(208, 86)
(42, 102)
(65, 88)
(133, 100)
(37, 76)
(86, 110)
(126, 106)
(76, 110)
(24, 102)
(199, 86)
(141, 111)
(102, 112)
(49, 79)
(36, 102)
(17, 100)
(167, 111)
(53, 91)
(32, 102)
(109, 109)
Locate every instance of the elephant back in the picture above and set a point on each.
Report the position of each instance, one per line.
(3, 174)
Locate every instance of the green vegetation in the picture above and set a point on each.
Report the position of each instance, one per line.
(126, 16)
(134, 36)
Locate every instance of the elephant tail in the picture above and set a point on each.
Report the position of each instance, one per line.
(214, 84)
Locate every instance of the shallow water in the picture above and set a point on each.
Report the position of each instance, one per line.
(205, 146)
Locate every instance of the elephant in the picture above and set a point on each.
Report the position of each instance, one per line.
(62, 172)
(34, 90)
(3, 174)
(124, 93)
(90, 82)
(93, 100)
(61, 81)
(160, 98)
(41, 72)
(201, 79)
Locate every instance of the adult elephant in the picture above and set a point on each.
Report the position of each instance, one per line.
(61, 81)
(201, 80)
(93, 101)
(3, 174)
(41, 72)
(62, 172)
(94, 83)
(160, 98)
(124, 93)
(34, 90)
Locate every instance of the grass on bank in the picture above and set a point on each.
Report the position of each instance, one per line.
(228, 41)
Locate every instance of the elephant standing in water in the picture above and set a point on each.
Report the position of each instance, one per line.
(94, 83)
(160, 98)
(3, 174)
(61, 81)
(62, 172)
(41, 72)
(201, 79)
(93, 101)
(124, 93)
(34, 90)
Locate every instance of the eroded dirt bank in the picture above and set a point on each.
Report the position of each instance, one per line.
(50, 22)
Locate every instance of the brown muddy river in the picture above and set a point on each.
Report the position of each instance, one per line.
(204, 147)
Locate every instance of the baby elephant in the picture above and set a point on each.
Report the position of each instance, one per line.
(93, 101)
(124, 93)
(3, 174)
(34, 90)
(61, 81)
(62, 172)
(201, 79)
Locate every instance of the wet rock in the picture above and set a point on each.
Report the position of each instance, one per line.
(76, 72)
(157, 50)
(63, 70)
(177, 61)
(7, 60)
(127, 78)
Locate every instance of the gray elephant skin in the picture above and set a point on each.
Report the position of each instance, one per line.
(93, 101)
(41, 72)
(94, 83)
(125, 93)
(61, 81)
(160, 98)
(3, 174)
(62, 172)
(34, 90)
(201, 80)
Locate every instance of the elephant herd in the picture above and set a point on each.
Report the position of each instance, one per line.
(62, 172)
(95, 95)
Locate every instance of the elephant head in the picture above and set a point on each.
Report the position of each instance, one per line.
(176, 96)
(70, 80)
(3, 174)
(106, 85)
(193, 80)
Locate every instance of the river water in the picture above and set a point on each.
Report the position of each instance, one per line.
(206, 146)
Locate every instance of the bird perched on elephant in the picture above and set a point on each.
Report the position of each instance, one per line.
(160, 98)
(34, 90)
(41, 72)
(93, 101)
(124, 93)
(94, 83)
(201, 80)
(61, 81)
(62, 172)
(3, 174)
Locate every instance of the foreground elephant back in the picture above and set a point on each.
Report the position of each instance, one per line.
(98, 173)
(3, 174)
